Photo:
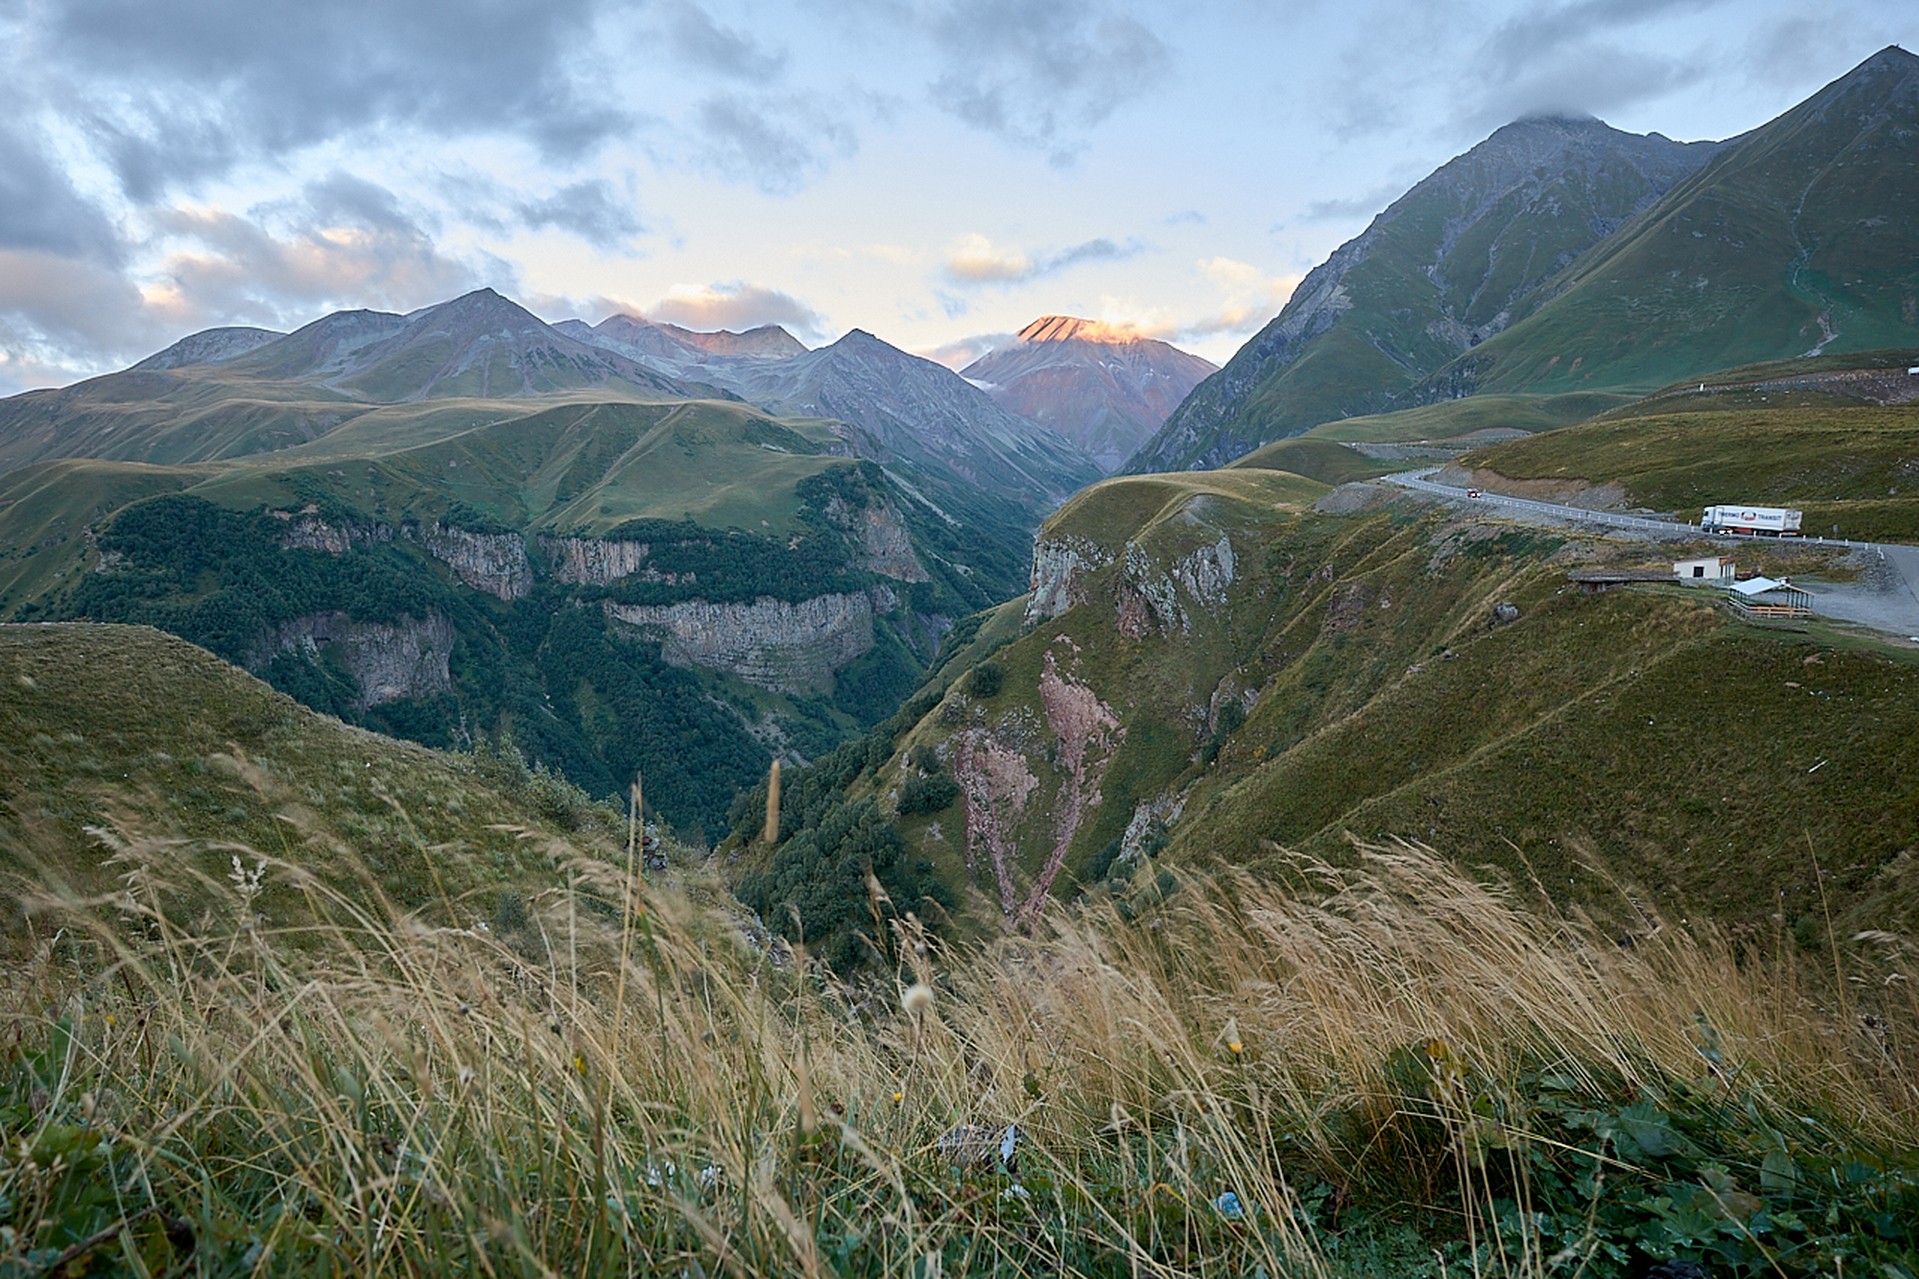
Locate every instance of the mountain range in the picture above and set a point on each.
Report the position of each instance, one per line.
(1565, 256)
(463, 522)
(1105, 389)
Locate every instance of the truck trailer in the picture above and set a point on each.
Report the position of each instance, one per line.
(1776, 521)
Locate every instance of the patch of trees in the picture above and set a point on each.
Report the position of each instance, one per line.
(829, 840)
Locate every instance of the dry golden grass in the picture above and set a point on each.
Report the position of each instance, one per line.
(629, 1084)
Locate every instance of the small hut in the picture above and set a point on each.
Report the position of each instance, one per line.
(1713, 570)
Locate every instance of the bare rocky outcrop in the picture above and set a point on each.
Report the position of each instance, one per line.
(884, 545)
(492, 562)
(997, 785)
(388, 661)
(1059, 564)
(789, 647)
(306, 530)
(1150, 599)
(1088, 731)
(592, 561)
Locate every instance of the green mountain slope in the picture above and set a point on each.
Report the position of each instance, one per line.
(127, 729)
(208, 398)
(1800, 237)
(1201, 675)
(1450, 263)
(462, 523)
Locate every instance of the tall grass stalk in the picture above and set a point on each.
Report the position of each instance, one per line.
(1232, 1083)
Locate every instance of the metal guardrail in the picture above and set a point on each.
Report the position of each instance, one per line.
(1417, 480)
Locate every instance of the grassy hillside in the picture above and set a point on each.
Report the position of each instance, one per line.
(1794, 240)
(1451, 419)
(132, 753)
(1847, 466)
(577, 466)
(1442, 269)
(1402, 1074)
(1388, 674)
(1322, 460)
(428, 521)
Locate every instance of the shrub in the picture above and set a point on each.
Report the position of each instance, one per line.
(986, 680)
(928, 795)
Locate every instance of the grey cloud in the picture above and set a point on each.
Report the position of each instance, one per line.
(1593, 80)
(349, 243)
(700, 40)
(591, 210)
(779, 142)
(61, 311)
(1539, 33)
(269, 76)
(1561, 59)
(594, 209)
(1185, 217)
(958, 354)
(1040, 75)
(346, 198)
(40, 209)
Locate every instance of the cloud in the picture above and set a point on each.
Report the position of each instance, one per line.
(590, 209)
(1185, 217)
(54, 308)
(1248, 298)
(697, 39)
(346, 243)
(40, 209)
(268, 77)
(974, 259)
(1038, 75)
(737, 306)
(1547, 32)
(1564, 60)
(777, 142)
(1359, 206)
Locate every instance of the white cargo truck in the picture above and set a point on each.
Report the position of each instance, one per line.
(1778, 521)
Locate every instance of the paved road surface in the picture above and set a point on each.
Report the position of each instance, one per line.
(1885, 601)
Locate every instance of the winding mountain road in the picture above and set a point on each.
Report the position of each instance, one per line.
(1884, 601)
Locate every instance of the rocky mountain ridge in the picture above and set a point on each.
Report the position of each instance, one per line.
(1450, 263)
(1100, 386)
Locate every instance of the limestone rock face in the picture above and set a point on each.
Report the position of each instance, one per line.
(388, 661)
(792, 648)
(307, 531)
(1153, 598)
(590, 561)
(884, 544)
(492, 562)
(1058, 564)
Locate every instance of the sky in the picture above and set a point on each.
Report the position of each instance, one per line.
(937, 172)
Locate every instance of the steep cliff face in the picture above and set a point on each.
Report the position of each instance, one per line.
(388, 661)
(308, 531)
(1059, 564)
(791, 648)
(885, 546)
(1154, 597)
(492, 562)
(592, 561)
